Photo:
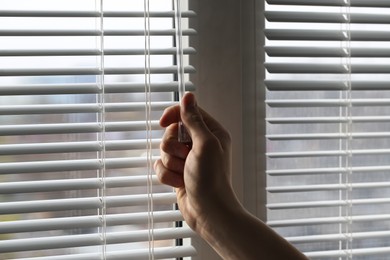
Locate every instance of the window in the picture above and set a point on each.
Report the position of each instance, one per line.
(79, 129)
(328, 143)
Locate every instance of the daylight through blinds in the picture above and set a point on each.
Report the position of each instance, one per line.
(328, 126)
(82, 86)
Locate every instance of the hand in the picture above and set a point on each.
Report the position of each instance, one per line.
(200, 172)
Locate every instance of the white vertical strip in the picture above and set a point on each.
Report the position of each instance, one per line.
(148, 129)
(101, 115)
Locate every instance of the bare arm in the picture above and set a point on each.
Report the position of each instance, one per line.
(201, 177)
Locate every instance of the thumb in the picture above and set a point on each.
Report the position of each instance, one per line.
(193, 119)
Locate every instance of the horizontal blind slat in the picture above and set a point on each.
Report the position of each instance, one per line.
(318, 120)
(308, 85)
(322, 68)
(316, 51)
(72, 165)
(81, 108)
(323, 187)
(328, 203)
(97, 14)
(79, 32)
(67, 128)
(320, 136)
(327, 102)
(90, 52)
(297, 154)
(328, 220)
(135, 254)
(326, 35)
(361, 3)
(71, 147)
(89, 71)
(30, 244)
(326, 17)
(83, 203)
(21, 226)
(73, 184)
(88, 88)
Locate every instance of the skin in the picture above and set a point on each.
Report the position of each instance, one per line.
(200, 172)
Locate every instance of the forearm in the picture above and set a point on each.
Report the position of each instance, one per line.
(239, 235)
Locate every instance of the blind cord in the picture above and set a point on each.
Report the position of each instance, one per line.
(148, 106)
(102, 116)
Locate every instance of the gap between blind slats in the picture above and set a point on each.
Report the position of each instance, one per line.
(83, 203)
(91, 52)
(315, 51)
(298, 154)
(327, 203)
(72, 184)
(327, 220)
(325, 187)
(326, 35)
(308, 85)
(31, 244)
(338, 237)
(287, 137)
(135, 254)
(21, 226)
(51, 33)
(67, 128)
(88, 88)
(81, 108)
(323, 68)
(76, 13)
(327, 102)
(71, 147)
(325, 120)
(361, 3)
(374, 251)
(326, 17)
(89, 71)
(335, 170)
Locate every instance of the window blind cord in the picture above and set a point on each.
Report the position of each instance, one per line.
(148, 105)
(348, 213)
(182, 132)
(102, 115)
(349, 130)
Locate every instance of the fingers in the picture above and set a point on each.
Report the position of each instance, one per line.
(168, 177)
(200, 124)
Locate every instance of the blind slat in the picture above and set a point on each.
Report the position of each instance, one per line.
(21, 226)
(81, 108)
(318, 120)
(362, 3)
(315, 51)
(72, 184)
(86, 88)
(79, 32)
(77, 13)
(83, 203)
(31, 244)
(91, 52)
(308, 85)
(69, 147)
(326, 68)
(326, 17)
(327, 102)
(135, 254)
(326, 35)
(68, 128)
(89, 71)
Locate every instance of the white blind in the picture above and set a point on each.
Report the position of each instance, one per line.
(328, 126)
(82, 86)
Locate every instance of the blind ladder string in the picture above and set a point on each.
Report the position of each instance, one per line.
(347, 180)
(102, 153)
(148, 129)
